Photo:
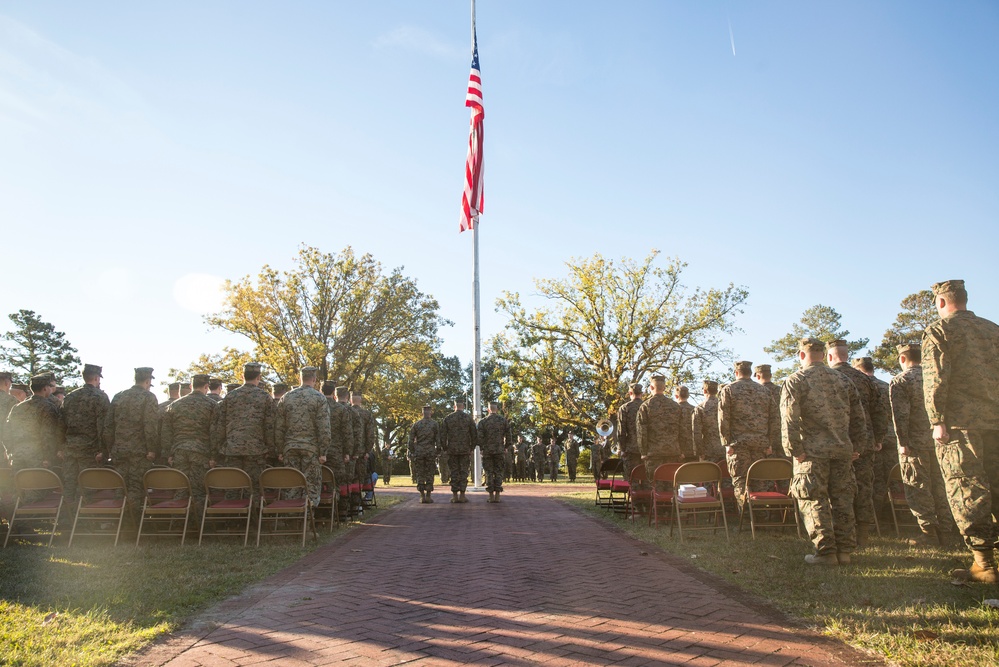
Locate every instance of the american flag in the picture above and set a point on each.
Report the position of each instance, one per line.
(471, 200)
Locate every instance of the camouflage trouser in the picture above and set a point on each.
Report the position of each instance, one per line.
(629, 461)
(424, 469)
(884, 460)
(194, 465)
(521, 468)
(924, 490)
(863, 502)
(307, 461)
(738, 465)
(132, 468)
(72, 464)
(531, 474)
(444, 464)
(570, 467)
(251, 465)
(493, 465)
(970, 467)
(458, 467)
(653, 462)
(825, 490)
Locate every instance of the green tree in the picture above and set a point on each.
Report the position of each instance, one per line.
(34, 346)
(918, 312)
(341, 313)
(820, 322)
(606, 325)
(226, 365)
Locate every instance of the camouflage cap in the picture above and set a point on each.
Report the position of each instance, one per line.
(174, 386)
(232, 387)
(93, 369)
(43, 377)
(459, 400)
(659, 376)
(328, 387)
(6, 376)
(342, 392)
(839, 342)
(215, 383)
(762, 368)
(905, 348)
(947, 286)
(811, 345)
(860, 362)
(254, 366)
(635, 387)
(20, 387)
(201, 378)
(710, 385)
(744, 366)
(144, 373)
(308, 372)
(356, 394)
(427, 408)
(281, 387)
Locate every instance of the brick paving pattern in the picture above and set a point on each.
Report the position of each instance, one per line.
(524, 582)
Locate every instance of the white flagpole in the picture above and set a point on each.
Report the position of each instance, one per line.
(477, 359)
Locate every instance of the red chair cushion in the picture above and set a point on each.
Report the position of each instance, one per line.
(603, 484)
(104, 504)
(288, 503)
(768, 495)
(368, 487)
(704, 499)
(620, 486)
(48, 503)
(641, 495)
(234, 504)
(179, 503)
(664, 496)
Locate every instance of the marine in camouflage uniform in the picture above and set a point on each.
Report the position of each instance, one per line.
(244, 425)
(424, 446)
(132, 435)
(961, 391)
(627, 430)
(7, 401)
(459, 439)
(823, 424)
(186, 437)
(749, 426)
(368, 446)
(83, 414)
(34, 432)
(917, 459)
(303, 431)
(661, 436)
(764, 375)
(539, 456)
(837, 355)
(215, 389)
(704, 427)
(522, 454)
(886, 457)
(341, 434)
(493, 432)
(681, 395)
(572, 458)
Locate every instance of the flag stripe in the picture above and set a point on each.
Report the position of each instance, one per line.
(472, 198)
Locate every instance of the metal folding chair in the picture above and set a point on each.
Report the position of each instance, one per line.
(102, 499)
(39, 498)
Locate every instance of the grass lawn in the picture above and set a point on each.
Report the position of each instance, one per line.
(112, 601)
(895, 600)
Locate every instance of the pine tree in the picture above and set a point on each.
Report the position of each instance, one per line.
(34, 346)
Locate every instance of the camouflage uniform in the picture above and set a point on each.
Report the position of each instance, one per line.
(424, 445)
(303, 434)
(627, 435)
(539, 456)
(921, 478)
(961, 389)
(704, 430)
(775, 390)
(366, 447)
(442, 464)
(7, 402)
(355, 468)
(822, 419)
(341, 439)
(131, 431)
(885, 458)
(660, 436)
(863, 467)
(522, 450)
(552, 456)
(243, 430)
(186, 437)
(572, 459)
(83, 415)
(749, 423)
(459, 439)
(33, 433)
(494, 441)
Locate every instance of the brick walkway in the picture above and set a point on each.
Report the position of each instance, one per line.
(524, 582)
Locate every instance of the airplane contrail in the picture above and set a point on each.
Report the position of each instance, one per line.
(731, 35)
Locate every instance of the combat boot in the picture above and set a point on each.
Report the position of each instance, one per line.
(454, 497)
(496, 499)
(491, 494)
(863, 531)
(423, 496)
(982, 570)
(826, 559)
(461, 497)
(843, 557)
(930, 537)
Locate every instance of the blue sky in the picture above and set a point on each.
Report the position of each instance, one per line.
(840, 153)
